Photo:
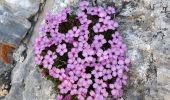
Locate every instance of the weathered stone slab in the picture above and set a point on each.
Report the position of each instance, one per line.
(27, 82)
(25, 8)
(12, 28)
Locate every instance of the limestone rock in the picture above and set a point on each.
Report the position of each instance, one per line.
(26, 80)
(13, 28)
(146, 30)
(5, 73)
(25, 8)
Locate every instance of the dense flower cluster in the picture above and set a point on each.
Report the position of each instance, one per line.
(85, 52)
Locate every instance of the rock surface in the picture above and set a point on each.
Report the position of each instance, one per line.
(145, 27)
(27, 82)
(146, 30)
(13, 28)
(24, 8)
(14, 16)
(5, 72)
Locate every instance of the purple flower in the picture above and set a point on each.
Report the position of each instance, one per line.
(85, 80)
(105, 19)
(98, 41)
(102, 14)
(74, 89)
(38, 59)
(73, 53)
(98, 72)
(83, 5)
(74, 32)
(48, 63)
(85, 22)
(59, 73)
(67, 10)
(99, 85)
(110, 10)
(107, 74)
(59, 97)
(92, 10)
(49, 59)
(88, 53)
(61, 49)
(97, 28)
(65, 86)
(81, 15)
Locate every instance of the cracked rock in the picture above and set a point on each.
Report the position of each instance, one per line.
(24, 8)
(13, 28)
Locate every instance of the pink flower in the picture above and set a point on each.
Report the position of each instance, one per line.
(73, 53)
(97, 28)
(75, 32)
(98, 72)
(59, 97)
(38, 59)
(110, 10)
(107, 74)
(83, 5)
(65, 86)
(61, 49)
(98, 41)
(102, 14)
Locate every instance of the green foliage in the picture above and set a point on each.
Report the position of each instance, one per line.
(69, 24)
(55, 81)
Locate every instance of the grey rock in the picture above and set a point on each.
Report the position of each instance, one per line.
(13, 28)
(20, 54)
(26, 80)
(24, 8)
(5, 74)
(147, 35)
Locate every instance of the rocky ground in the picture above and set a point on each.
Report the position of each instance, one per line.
(145, 25)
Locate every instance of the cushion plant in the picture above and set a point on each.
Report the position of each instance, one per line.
(83, 53)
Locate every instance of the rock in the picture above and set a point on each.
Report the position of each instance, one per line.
(13, 28)
(163, 76)
(20, 54)
(24, 8)
(146, 30)
(5, 74)
(26, 80)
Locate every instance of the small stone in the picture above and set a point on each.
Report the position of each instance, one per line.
(20, 54)
(6, 86)
(3, 86)
(167, 97)
(3, 92)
